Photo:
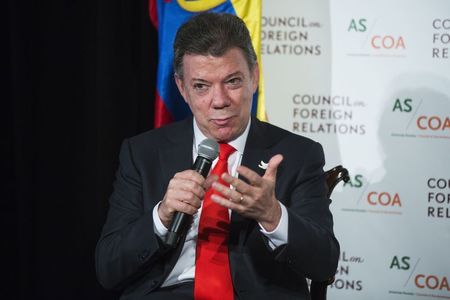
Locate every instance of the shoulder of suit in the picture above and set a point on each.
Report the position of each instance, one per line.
(278, 133)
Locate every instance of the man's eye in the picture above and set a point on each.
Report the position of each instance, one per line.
(200, 86)
(235, 81)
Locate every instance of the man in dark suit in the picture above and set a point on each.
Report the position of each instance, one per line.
(278, 229)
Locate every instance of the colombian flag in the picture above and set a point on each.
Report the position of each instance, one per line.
(167, 16)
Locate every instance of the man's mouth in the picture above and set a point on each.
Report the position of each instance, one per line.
(221, 121)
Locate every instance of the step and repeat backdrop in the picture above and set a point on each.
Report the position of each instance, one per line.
(370, 80)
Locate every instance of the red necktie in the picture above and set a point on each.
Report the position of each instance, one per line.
(212, 267)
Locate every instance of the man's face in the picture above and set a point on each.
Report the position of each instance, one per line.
(219, 91)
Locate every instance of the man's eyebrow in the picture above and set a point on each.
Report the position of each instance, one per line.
(199, 80)
(237, 73)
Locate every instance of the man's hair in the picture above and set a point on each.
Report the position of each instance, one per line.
(212, 34)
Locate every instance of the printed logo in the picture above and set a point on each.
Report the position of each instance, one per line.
(344, 279)
(355, 181)
(400, 262)
(370, 199)
(438, 198)
(420, 118)
(387, 42)
(441, 38)
(357, 25)
(419, 282)
(386, 199)
(327, 114)
(368, 39)
(434, 123)
(290, 35)
(431, 282)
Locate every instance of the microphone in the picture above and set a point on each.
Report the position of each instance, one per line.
(208, 150)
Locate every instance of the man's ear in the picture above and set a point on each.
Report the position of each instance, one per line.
(180, 86)
(255, 77)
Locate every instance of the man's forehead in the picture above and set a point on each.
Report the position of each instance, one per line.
(231, 62)
(231, 51)
(223, 78)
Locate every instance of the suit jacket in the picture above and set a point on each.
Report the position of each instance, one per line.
(129, 255)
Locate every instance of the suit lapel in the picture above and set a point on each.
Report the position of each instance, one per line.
(257, 149)
(176, 155)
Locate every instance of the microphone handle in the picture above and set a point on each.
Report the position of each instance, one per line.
(202, 166)
(180, 222)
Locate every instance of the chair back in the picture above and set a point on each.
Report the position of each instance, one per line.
(334, 176)
(318, 289)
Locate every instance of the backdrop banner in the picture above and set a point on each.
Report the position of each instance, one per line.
(370, 80)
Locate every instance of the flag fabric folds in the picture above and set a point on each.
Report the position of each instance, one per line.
(167, 16)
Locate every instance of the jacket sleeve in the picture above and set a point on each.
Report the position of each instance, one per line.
(128, 246)
(312, 249)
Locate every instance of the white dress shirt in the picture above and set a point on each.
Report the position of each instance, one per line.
(184, 269)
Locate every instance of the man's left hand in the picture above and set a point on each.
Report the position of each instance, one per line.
(256, 199)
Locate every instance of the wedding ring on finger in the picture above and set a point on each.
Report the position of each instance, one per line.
(241, 199)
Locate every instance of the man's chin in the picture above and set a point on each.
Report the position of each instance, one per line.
(224, 135)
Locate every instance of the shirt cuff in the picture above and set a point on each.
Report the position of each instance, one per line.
(158, 227)
(279, 236)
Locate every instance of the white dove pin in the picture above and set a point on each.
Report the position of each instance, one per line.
(263, 165)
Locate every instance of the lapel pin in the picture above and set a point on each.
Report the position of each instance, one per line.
(263, 165)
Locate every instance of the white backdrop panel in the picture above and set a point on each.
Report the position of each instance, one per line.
(371, 82)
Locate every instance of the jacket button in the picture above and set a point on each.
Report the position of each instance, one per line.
(144, 255)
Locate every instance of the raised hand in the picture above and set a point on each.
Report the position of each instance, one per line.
(255, 199)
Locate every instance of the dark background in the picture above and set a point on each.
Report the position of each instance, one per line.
(80, 77)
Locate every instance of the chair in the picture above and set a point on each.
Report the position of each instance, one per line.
(318, 290)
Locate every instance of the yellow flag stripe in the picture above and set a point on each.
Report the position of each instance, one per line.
(251, 12)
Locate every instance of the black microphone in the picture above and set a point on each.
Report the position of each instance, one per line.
(208, 150)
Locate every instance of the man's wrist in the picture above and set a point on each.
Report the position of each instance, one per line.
(158, 226)
(274, 218)
(278, 236)
(165, 221)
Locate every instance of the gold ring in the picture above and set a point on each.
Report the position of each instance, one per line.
(241, 199)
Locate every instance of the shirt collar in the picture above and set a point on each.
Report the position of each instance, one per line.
(238, 143)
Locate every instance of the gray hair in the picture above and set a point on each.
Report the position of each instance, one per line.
(212, 34)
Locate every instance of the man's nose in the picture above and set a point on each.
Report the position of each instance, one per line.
(220, 97)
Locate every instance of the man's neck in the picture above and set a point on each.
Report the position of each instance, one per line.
(238, 143)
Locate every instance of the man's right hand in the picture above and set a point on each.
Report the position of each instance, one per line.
(184, 194)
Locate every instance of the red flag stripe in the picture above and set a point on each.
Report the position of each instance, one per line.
(153, 12)
(162, 115)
